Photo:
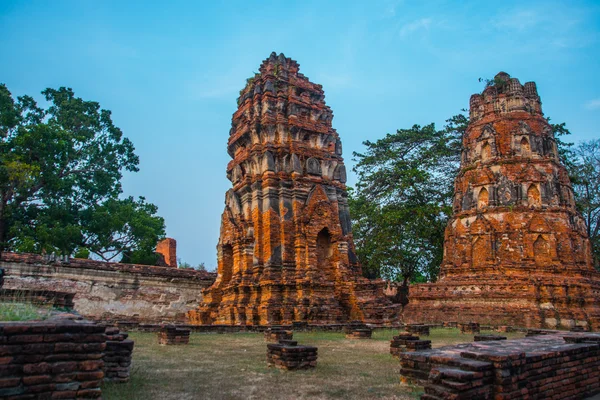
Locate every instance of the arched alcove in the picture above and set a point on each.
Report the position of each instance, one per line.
(325, 254)
(479, 251)
(483, 198)
(525, 147)
(533, 195)
(226, 262)
(486, 152)
(541, 251)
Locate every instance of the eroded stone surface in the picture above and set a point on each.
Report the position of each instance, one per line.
(285, 252)
(110, 291)
(516, 250)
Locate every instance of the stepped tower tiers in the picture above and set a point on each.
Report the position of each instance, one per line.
(285, 252)
(516, 249)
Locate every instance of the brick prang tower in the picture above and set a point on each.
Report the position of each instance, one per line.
(285, 252)
(516, 250)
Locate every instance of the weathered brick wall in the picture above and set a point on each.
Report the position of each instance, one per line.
(111, 291)
(51, 360)
(553, 366)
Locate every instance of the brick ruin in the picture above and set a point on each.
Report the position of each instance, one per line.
(51, 359)
(289, 356)
(166, 250)
(516, 250)
(105, 291)
(285, 251)
(173, 335)
(552, 366)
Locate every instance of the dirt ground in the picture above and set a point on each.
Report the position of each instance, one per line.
(233, 366)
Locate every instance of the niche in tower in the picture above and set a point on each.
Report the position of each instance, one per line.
(525, 147)
(486, 152)
(533, 196)
(226, 262)
(325, 255)
(541, 251)
(483, 198)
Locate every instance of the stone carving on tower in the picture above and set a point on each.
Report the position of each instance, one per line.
(285, 251)
(516, 250)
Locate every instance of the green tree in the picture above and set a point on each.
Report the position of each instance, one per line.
(60, 171)
(584, 170)
(403, 200)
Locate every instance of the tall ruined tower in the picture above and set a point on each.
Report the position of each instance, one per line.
(285, 252)
(516, 249)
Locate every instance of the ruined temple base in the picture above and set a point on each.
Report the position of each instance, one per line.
(312, 302)
(552, 366)
(509, 300)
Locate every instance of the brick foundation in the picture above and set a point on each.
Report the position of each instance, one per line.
(171, 334)
(289, 356)
(551, 366)
(274, 335)
(407, 342)
(51, 360)
(469, 328)
(487, 338)
(117, 356)
(418, 329)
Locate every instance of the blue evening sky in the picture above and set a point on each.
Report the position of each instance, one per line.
(170, 72)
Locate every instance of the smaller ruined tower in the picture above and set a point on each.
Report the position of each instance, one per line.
(285, 252)
(516, 249)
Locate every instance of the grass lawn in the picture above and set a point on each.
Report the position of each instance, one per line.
(233, 366)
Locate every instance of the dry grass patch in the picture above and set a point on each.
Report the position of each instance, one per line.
(233, 366)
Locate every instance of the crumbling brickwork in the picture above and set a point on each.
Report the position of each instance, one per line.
(288, 355)
(285, 252)
(167, 251)
(171, 334)
(554, 366)
(516, 250)
(106, 291)
(53, 359)
(117, 356)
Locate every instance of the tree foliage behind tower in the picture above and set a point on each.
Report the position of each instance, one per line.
(403, 200)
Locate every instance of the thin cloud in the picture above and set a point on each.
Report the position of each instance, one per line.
(420, 24)
(593, 104)
(518, 20)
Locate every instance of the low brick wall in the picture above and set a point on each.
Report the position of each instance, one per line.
(51, 359)
(550, 366)
(104, 291)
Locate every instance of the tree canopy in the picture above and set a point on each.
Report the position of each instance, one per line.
(403, 200)
(60, 180)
